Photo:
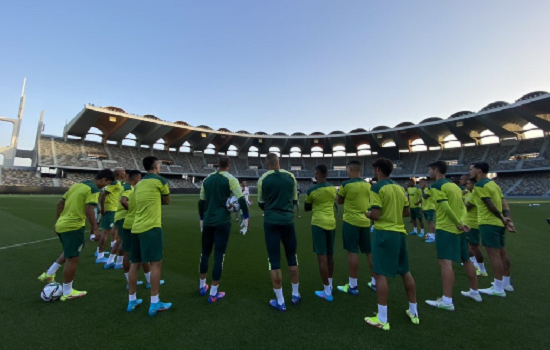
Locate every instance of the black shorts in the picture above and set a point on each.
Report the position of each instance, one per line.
(274, 235)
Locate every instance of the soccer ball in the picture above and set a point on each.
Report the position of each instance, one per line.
(232, 204)
(52, 292)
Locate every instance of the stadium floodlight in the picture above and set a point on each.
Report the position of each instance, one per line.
(459, 124)
(203, 134)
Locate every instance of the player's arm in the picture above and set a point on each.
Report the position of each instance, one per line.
(261, 203)
(342, 194)
(469, 206)
(90, 214)
(164, 192)
(493, 209)
(124, 202)
(406, 212)
(60, 207)
(506, 213)
(446, 208)
(373, 214)
(102, 201)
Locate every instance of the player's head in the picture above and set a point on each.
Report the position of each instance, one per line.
(224, 163)
(382, 168)
(272, 161)
(463, 179)
(354, 168)
(438, 167)
(321, 172)
(243, 184)
(120, 173)
(134, 176)
(424, 183)
(412, 182)
(479, 170)
(104, 177)
(470, 183)
(455, 180)
(151, 164)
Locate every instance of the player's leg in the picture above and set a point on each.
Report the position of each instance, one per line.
(273, 244)
(107, 224)
(111, 261)
(135, 264)
(430, 219)
(506, 264)
(447, 248)
(290, 244)
(319, 237)
(421, 223)
(207, 241)
(469, 268)
(221, 239)
(413, 222)
(152, 242)
(49, 275)
(366, 248)
(408, 281)
(350, 238)
(73, 242)
(491, 238)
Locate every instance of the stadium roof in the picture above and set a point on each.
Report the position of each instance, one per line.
(503, 119)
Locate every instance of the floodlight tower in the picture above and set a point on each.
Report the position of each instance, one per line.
(10, 151)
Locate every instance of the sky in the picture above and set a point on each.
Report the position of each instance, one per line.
(272, 66)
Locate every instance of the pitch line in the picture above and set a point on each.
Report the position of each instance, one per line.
(22, 244)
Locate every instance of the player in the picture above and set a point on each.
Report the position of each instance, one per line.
(462, 184)
(216, 189)
(450, 241)
(109, 199)
(297, 204)
(415, 196)
(320, 199)
(473, 236)
(277, 194)
(390, 255)
(116, 250)
(77, 204)
(147, 236)
(246, 193)
(428, 210)
(493, 218)
(354, 194)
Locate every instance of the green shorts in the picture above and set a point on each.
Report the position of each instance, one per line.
(390, 255)
(126, 235)
(429, 215)
(356, 238)
(323, 240)
(72, 241)
(473, 236)
(108, 220)
(415, 214)
(451, 246)
(147, 246)
(493, 236)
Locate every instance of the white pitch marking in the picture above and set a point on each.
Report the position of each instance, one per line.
(21, 244)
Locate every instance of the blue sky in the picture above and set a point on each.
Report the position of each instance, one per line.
(270, 65)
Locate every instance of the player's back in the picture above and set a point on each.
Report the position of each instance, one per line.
(148, 194)
(428, 203)
(357, 194)
(446, 190)
(390, 199)
(471, 214)
(216, 189)
(414, 196)
(487, 188)
(277, 190)
(131, 214)
(112, 198)
(322, 196)
(77, 196)
(121, 211)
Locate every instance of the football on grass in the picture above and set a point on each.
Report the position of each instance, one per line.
(52, 292)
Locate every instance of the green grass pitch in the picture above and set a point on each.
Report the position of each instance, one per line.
(244, 320)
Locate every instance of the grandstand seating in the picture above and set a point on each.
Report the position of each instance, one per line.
(532, 185)
(70, 153)
(15, 177)
(46, 151)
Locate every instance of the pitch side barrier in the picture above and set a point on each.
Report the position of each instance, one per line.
(61, 190)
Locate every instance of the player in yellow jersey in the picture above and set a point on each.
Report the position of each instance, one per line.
(450, 241)
(73, 209)
(494, 218)
(473, 236)
(428, 210)
(415, 197)
(320, 199)
(390, 255)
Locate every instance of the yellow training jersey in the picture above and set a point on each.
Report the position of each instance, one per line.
(487, 188)
(321, 197)
(390, 198)
(73, 216)
(149, 192)
(357, 193)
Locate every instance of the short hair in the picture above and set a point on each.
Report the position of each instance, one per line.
(413, 180)
(133, 173)
(322, 169)
(224, 161)
(439, 165)
(472, 180)
(149, 162)
(105, 174)
(384, 164)
(354, 165)
(272, 159)
(484, 167)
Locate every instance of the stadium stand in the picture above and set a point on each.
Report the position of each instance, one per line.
(15, 177)
(120, 156)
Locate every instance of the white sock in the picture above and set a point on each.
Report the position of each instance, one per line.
(111, 259)
(353, 282)
(506, 281)
(474, 260)
(422, 231)
(328, 291)
(127, 278)
(148, 277)
(414, 230)
(202, 283)
(213, 290)
(295, 290)
(413, 310)
(473, 292)
(53, 269)
(155, 299)
(113, 244)
(373, 281)
(100, 255)
(383, 313)
(481, 267)
(67, 288)
(279, 295)
(447, 301)
(432, 236)
(132, 297)
(97, 250)
(330, 282)
(92, 237)
(119, 259)
(498, 286)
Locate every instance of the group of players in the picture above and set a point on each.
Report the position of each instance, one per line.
(133, 205)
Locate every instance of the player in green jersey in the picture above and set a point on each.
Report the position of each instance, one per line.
(109, 200)
(73, 209)
(355, 195)
(428, 209)
(216, 189)
(494, 218)
(277, 193)
(147, 237)
(390, 255)
(473, 236)
(450, 241)
(320, 199)
(415, 197)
